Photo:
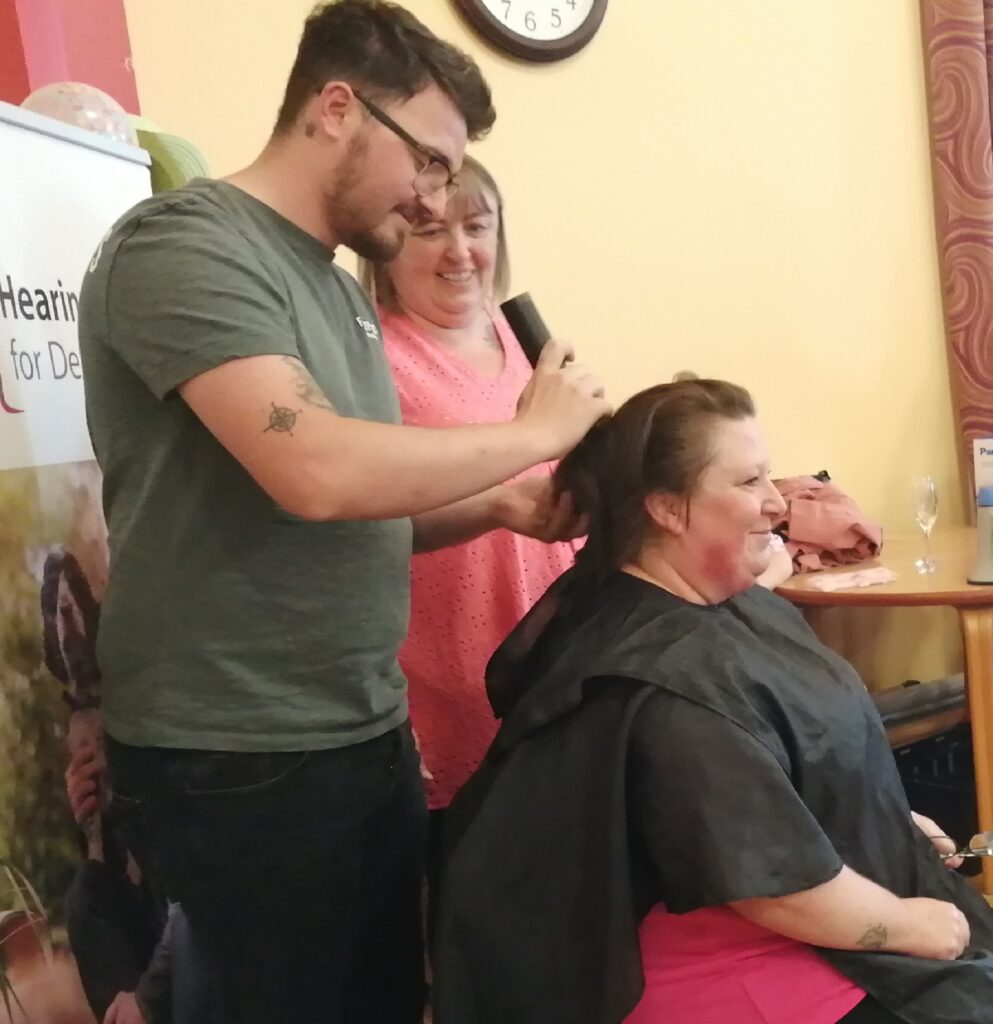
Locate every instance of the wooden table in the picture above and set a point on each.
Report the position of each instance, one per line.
(954, 550)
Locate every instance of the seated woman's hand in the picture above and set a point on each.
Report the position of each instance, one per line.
(942, 842)
(932, 929)
(779, 571)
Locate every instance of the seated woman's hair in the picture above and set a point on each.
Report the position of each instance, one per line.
(477, 193)
(658, 440)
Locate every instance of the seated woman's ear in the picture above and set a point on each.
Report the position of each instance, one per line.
(667, 511)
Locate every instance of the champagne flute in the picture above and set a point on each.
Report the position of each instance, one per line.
(926, 512)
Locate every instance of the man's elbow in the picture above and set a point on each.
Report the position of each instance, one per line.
(311, 507)
(317, 499)
(306, 496)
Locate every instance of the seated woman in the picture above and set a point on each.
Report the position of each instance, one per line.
(690, 812)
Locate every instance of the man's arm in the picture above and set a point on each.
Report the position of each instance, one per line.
(528, 507)
(273, 418)
(852, 912)
(459, 522)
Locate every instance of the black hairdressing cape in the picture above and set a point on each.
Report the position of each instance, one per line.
(657, 751)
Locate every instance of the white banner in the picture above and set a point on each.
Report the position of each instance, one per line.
(61, 188)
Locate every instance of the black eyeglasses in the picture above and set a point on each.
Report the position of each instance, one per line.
(435, 174)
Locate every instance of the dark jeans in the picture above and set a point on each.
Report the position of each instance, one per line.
(300, 874)
(869, 1012)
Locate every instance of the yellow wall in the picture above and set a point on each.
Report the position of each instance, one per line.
(742, 189)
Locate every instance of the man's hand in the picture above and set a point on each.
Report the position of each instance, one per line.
(530, 507)
(83, 783)
(527, 506)
(124, 1010)
(943, 843)
(562, 400)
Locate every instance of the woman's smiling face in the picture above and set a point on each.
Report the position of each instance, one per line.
(444, 272)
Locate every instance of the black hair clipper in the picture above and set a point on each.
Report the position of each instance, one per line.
(526, 323)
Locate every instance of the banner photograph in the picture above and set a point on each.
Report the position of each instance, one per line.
(61, 188)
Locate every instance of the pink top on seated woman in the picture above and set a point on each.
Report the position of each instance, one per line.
(455, 361)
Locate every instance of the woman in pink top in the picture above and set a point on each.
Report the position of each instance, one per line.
(456, 361)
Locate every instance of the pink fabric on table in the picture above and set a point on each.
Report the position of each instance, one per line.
(824, 526)
(465, 599)
(712, 966)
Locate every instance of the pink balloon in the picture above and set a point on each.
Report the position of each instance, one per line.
(84, 106)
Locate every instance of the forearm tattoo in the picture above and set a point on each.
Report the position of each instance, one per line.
(306, 387)
(874, 938)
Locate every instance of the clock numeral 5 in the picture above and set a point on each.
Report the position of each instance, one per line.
(556, 18)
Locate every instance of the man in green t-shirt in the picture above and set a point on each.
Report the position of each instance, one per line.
(263, 500)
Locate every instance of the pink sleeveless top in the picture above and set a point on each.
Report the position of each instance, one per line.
(713, 966)
(464, 599)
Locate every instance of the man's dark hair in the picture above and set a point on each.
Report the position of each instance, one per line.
(384, 51)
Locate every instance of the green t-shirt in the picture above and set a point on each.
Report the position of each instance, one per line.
(230, 624)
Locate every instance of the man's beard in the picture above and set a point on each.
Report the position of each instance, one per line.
(378, 244)
(375, 242)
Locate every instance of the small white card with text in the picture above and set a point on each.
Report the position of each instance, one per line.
(982, 461)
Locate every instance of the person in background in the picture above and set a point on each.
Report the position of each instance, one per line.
(262, 497)
(136, 956)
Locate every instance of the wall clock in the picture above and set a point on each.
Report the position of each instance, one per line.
(540, 30)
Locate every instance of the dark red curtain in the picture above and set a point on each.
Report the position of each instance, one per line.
(958, 54)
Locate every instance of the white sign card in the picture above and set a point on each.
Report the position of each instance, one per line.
(61, 188)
